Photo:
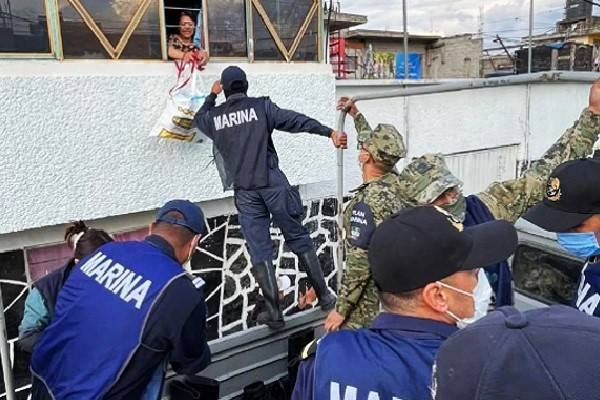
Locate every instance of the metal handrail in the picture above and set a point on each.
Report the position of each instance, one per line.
(466, 84)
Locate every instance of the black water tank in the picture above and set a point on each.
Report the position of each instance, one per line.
(578, 9)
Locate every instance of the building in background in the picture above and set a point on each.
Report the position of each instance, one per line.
(378, 54)
(573, 46)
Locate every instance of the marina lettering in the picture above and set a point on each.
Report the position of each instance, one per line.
(351, 393)
(116, 278)
(234, 119)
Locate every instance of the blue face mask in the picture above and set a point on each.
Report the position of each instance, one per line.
(579, 244)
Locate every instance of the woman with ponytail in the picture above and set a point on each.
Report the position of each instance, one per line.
(39, 305)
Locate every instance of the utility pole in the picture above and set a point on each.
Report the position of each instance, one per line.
(406, 69)
(531, 9)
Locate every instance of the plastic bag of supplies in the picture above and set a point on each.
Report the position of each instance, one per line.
(185, 99)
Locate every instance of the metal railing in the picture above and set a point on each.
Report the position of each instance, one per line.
(467, 84)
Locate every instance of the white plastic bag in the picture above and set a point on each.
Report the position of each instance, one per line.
(185, 99)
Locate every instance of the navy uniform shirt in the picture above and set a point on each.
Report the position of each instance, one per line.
(175, 330)
(392, 359)
(241, 129)
(588, 289)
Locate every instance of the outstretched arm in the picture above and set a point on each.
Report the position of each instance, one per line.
(295, 122)
(202, 119)
(510, 199)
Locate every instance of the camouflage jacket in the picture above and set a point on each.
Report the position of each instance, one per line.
(373, 202)
(508, 200)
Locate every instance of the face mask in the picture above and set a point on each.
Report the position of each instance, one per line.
(188, 264)
(481, 300)
(579, 244)
(458, 209)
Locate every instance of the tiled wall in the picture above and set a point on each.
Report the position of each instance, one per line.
(221, 260)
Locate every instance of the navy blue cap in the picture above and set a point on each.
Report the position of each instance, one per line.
(231, 75)
(549, 353)
(193, 217)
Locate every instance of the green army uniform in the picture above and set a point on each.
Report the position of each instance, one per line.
(373, 202)
(427, 177)
(510, 199)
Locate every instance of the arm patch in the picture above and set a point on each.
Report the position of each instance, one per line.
(362, 226)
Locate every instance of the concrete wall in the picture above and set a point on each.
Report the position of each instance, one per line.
(454, 57)
(469, 121)
(451, 57)
(74, 138)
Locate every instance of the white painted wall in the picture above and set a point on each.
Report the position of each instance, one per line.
(469, 120)
(74, 138)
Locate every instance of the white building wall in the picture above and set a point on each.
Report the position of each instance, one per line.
(470, 120)
(74, 138)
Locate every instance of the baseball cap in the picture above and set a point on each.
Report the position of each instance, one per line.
(427, 177)
(384, 143)
(572, 195)
(193, 217)
(548, 353)
(231, 75)
(424, 244)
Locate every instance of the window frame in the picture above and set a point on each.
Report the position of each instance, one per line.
(49, 26)
(52, 11)
(551, 251)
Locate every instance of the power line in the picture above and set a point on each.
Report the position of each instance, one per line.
(547, 11)
(592, 3)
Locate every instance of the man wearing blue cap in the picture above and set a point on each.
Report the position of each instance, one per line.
(550, 353)
(241, 130)
(426, 266)
(125, 311)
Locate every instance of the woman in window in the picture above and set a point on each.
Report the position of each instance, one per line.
(181, 45)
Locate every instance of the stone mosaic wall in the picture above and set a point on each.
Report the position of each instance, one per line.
(221, 260)
(232, 291)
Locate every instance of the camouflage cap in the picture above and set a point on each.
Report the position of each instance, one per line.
(427, 177)
(385, 144)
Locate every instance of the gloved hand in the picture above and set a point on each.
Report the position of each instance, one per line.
(340, 140)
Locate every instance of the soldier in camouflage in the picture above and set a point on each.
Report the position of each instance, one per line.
(374, 201)
(427, 180)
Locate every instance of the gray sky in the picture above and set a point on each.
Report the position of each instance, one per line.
(508, 18)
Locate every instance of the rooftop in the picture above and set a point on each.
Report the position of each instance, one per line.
(374, 34)
(340, 20)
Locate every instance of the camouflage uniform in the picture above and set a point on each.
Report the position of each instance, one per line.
(428, 176)
(373, 202)
(510, 199)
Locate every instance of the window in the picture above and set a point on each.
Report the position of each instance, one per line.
(545, 276)
(227, 28)
(285, 30)
(110, 29)
(23, 27)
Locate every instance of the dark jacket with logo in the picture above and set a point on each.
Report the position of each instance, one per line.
(241, 129)
(393, 359)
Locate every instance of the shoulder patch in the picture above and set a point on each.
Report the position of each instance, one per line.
(197, 281)
(310, 350)
(362, 225)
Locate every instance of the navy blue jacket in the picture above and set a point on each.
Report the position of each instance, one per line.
(174, 331)
(393, 359)
(498, 274)
(241, 129)
(588, 290)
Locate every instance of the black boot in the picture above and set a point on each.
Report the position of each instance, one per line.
(265, 276)
(315, 276)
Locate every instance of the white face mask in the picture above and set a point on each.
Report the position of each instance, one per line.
(481, 300)
(188, 264)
